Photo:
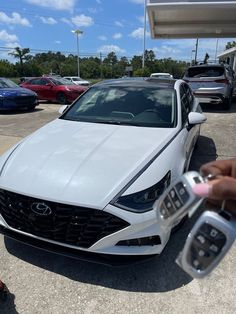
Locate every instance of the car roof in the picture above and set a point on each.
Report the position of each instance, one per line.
(139, 81)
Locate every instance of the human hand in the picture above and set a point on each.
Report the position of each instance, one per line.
(223, 187)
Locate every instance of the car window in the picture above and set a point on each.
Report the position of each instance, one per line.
(189, 95)
(205, 71)
(6, 83)
(185, 104)
(34, 82)
(149, 106)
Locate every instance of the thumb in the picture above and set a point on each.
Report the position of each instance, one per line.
(219, 189)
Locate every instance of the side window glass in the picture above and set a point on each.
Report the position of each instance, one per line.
(185, 106)
(189, 94)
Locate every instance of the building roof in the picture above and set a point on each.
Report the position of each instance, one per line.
(227, 53)
(192, 18)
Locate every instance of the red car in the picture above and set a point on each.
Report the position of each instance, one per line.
(54, 89)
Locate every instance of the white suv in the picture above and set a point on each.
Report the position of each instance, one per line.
(211, 83)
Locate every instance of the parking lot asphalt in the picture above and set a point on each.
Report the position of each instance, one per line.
(42, 282)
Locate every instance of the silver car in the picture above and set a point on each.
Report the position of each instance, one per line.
(211, 83)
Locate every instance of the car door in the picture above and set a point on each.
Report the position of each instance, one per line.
(35, 86)
(189, 132)
(47, 89)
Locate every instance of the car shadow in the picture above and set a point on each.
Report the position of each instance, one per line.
(205, 151)
(158, 274)
(8, 307)
(217, 108)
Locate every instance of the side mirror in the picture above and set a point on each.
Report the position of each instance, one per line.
(196, 118)
(49, 84)
(62, 109)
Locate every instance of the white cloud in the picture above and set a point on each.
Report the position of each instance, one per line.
(99, 1)
(82, 20)
(12, 45)
(117, 23)
(48, 20)
(117, 36)
(137, 1)
(102, 37)
(4, 36)
(110, 48)
(65, 20)
(54, 4)
(14, 19)
(57, 42)
(165, 51)
(138, 33)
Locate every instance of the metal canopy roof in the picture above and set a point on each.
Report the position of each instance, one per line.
(192, 19)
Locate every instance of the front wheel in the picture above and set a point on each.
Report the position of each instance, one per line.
(61, 98)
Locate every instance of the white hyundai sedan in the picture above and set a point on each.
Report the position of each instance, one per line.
(87, 181)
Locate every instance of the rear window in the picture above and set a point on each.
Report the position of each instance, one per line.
(205, 72)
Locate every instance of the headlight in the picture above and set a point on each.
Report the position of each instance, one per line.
(143, 201)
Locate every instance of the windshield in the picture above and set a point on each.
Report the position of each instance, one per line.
(205, 72)
(126, 105)
(61, 81)
(6, 83)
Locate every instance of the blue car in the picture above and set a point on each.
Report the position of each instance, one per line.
(13, 96)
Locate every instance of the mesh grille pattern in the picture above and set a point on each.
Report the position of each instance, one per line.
(68, 224)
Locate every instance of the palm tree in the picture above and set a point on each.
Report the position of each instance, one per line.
(21, 54)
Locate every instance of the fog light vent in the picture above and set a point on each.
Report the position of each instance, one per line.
(153, 240)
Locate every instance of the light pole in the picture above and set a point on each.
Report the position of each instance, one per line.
(78, 32)
(144, 33)
(195, 58)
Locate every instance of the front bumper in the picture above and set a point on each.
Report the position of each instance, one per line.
(121, 232)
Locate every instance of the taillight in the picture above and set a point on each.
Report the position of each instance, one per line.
(222, 81)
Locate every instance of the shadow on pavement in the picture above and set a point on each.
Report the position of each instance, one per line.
(8, 307)
(205, 151)
(159, 274)
(217, 108)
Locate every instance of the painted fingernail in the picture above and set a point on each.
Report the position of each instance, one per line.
(201, 189)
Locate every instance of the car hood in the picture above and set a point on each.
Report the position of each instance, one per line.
(80, 163)
(18, 91)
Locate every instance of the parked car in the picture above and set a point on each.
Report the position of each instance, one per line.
(54, 89)
(14, 97)
(211, 83)
(162, 75)
(99, 168)
(77, 80)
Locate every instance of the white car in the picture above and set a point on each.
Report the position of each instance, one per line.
(87, 181)
(162, 75)
(77, 80)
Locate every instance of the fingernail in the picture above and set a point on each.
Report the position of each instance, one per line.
(201, 189)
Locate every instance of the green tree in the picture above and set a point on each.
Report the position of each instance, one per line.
(230, 44)
(21, 54)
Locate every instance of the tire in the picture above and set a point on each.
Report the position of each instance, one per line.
(226, 104)
(61, 98)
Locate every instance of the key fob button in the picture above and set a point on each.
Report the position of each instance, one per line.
(169, 205)
(184, 196)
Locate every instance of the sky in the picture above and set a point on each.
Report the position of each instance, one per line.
(107, 25)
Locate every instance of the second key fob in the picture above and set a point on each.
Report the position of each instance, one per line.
(206, 245)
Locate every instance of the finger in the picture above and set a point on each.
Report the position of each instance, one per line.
(219, 189)
(223, 189)
(220, 167)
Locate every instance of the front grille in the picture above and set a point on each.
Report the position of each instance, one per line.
(25, 100)
(68, 224)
